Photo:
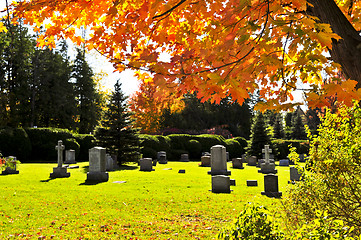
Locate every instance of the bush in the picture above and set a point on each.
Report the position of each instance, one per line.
(254, 223)
(179, 141)
(43, 142)
(194, 148)
(149, 153)
(281, 147)
(86, 142)
(15, 142)
(71, 143)
(234, 148)
(155, 142)
(207, 141)
(242, 141)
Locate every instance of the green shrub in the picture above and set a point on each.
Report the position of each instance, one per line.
(148, 152)
(281, 147)
(254, 223)
(207, 141)
(179, 141)
(86, 142)
(155, 142)
(194, 148)
(175, 154)
(15, 142)
(242, 141)
(43, 142)
(234, 148)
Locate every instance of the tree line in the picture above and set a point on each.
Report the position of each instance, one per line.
(43, 88)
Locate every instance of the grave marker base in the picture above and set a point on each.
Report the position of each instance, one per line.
(8, 171)
(59, 172)
(97, 177)
(272, 194)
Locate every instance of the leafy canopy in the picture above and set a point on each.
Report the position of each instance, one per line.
(214, 48)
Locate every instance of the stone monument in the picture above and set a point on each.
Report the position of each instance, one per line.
(267, 166)
(271, 186)
(146, 164)
(221, 184)
(60, 171)
(206, 161)
(237, 163)
(162, 157)
(70, 156)
(218, 161)
(97, 165)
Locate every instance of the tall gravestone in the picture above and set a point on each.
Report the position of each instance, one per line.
(162, 157)
(70, 156)
(109, 163)
(267, 166)
(97, 165)
(60, 171)
(271, 186)
(218, 161)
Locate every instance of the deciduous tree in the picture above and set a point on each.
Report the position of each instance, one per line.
(218, 48)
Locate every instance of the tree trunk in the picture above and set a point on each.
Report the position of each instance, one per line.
(346, 51)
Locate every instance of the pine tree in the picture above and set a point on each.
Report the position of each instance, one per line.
(298, 129)
(259, 137)
(116, 133)
(278, 131)
(88, 107)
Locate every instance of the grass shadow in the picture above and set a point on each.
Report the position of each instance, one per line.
(86, 183)
(126, 167)
(47, 180)
(85, 169)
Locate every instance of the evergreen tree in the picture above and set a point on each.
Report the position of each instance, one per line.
(298, 129)
(259, 137)
(116, 133)
(88, 99)
(278, 131)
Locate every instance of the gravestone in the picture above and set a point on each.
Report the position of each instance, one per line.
(252, 183)
(218, 161)
(70, 156)
(109, 163)
(10, 170)
(182, 171)
(206, 161)
(115, 162)
(271, 186)
(146, 164)
(162, 157)
(252, 161)
(184, 157)
(221, 184)
(284, 162)
(60, 171)
(302, 157)
(206, 154)
(97, 165)
(267, 166)
(237, 163)
(295, 174)
(227, 154)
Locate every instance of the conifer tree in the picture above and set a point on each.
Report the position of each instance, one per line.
(278, 131)
(116, 132)
(259, 137)
(298, 129)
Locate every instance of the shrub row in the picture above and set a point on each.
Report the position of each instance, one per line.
(282, 147)
(38, 144)
(176, 144)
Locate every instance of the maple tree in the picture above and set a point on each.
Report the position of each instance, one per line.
(218, 48)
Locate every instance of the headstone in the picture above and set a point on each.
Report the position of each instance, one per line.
(252, 161)
(115, 162)
(206, 154)
(162, 157)
(206, 161)
(218, 161)
(271, 156)
(232, 182)
(221, 184)
(184, 157)
(295, 174)
(146, 164)
(10, 170)
(284, 162)
(302, 157)
(227, 154)
(154, 162)
(271, 186)
(60, 171)
(97, 165)
(267, 166)
(182, 171)
(237, 163)
(70, 156)
(252, 183)
(109, 163)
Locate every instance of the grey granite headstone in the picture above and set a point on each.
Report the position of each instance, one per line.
(218, 161)
(97, 165)
(252, 161)
(271, 186)
(206, 161)
(70, 156)
(146, 164)
(252, 183)
(109, 163)
(295, 174)
(162, 157)
(237, 163)
(284, 162)
(60, 171)
(182, 171)
(184, 157)
(221, 184)
(267, 166)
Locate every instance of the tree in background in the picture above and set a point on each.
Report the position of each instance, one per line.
(278, 131)
(117, 132)
(259, 136)
(87, 97)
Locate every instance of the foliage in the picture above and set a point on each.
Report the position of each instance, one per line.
(217, 49)
(242, 141)
(234, 148)
(259, 137)
(254, 223)
(298, 129)
(8, 163)
(15, 142)
(117, 133)
(333, 182)
(71, 143)
(194, 149)
(281, 147)
(278, 131)
(86, 142)
(207, 141)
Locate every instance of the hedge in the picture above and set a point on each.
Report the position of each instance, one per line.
(86, 142)
(234, 148)
(282, 147)
(15, 142)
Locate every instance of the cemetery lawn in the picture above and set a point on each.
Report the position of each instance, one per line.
(162, 204)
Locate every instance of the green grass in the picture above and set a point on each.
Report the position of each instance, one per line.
(162, 204)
